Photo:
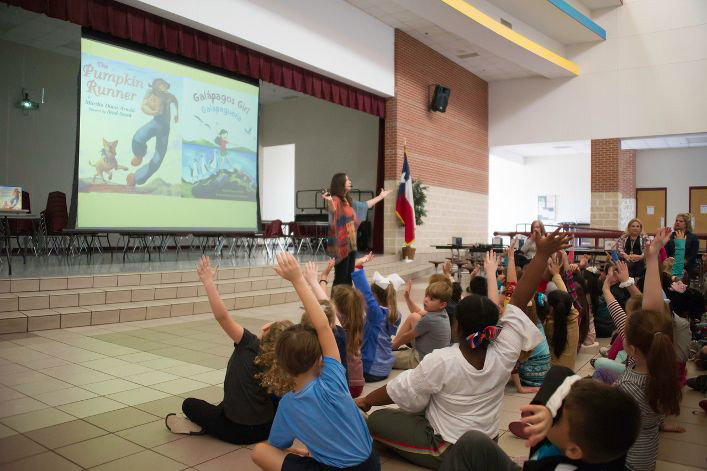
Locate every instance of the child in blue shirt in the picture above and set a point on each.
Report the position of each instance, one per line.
(319, 412)
(382, 322)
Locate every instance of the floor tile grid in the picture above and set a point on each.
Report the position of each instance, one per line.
(219, 458)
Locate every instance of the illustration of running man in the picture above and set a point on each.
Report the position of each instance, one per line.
(156, 103)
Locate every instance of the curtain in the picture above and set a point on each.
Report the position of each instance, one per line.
(125, 22)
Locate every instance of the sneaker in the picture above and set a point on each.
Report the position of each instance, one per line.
(136, 161)
(604, 351)
(180, 424)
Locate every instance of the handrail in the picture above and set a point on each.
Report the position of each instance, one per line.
(606, 234)
(356, 194)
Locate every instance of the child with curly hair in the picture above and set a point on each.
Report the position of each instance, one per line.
(253, 382)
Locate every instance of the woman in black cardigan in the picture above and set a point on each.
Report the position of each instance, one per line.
(683, 222)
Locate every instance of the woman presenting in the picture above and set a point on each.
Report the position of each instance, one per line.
(341, 243)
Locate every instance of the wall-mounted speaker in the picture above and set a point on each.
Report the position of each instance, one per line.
(439, 98)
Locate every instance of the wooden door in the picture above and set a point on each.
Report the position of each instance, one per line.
(698, 209)
(651, 205)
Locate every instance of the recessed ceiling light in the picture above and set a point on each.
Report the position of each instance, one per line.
(468, 55)
(561, 147)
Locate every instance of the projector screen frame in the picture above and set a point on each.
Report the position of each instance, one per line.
(176, 58)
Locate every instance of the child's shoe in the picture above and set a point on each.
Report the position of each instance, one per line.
(180, 424)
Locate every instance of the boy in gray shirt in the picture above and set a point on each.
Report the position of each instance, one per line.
(426, 330)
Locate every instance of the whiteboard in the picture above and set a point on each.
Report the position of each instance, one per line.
(277, 189)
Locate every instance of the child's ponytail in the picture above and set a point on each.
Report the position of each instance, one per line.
(663, 387)
(392, 304)
(651, 332)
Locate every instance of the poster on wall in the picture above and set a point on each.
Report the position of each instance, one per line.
(547, 209)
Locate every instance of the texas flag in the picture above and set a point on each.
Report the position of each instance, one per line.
(404, 208)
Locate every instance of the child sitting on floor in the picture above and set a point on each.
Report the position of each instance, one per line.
(319, 412)
(652, 381)
(427, 330)
(252, 385)
(349, 309)
(572, 424)
(561, 321)
(339, 332)
(382, 322)
(460, 388)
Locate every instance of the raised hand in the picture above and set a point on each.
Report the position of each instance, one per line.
(204, 270)
(310, 273)
(511, 247)
(680, 235)
(408, 288)
(366, 258)
(553, 266)
(661, 238)
(447, 267)
(287, 267)
(622, 271)
(384, 193)
(326, 196)
(329, 265)
(490, 263)
(552, 242)
(538, 423)
(565, 260)
(611, 278)
(475, 271)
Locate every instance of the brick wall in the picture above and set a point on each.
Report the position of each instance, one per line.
(627, 173)
(605, 159)
(447, 151)
(613, 184)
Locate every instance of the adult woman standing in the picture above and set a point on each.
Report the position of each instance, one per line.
(343, 222)
(630, 247)
(682, 230)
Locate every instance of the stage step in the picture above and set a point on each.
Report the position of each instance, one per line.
(29, 304)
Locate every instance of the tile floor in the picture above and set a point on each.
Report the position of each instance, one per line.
(95, 398)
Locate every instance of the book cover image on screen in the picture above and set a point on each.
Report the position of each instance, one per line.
(163, 145)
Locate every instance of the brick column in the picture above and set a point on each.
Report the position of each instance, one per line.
(447, 151)
(613, 184)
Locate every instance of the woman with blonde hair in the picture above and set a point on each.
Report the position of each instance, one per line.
(631, 246)
(527, 251)
(683, 241)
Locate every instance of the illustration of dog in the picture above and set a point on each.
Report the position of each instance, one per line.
(108, 163)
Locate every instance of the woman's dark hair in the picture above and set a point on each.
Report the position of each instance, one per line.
(456, 292)
(561, 304)
(338, 188)
(474, 313)
(478, 285)
(580, 285)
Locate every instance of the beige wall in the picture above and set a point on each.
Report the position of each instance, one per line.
(450, 213)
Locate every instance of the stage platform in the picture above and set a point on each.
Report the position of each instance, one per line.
(50, 294)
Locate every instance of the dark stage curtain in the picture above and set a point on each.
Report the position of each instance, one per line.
(125, 22)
